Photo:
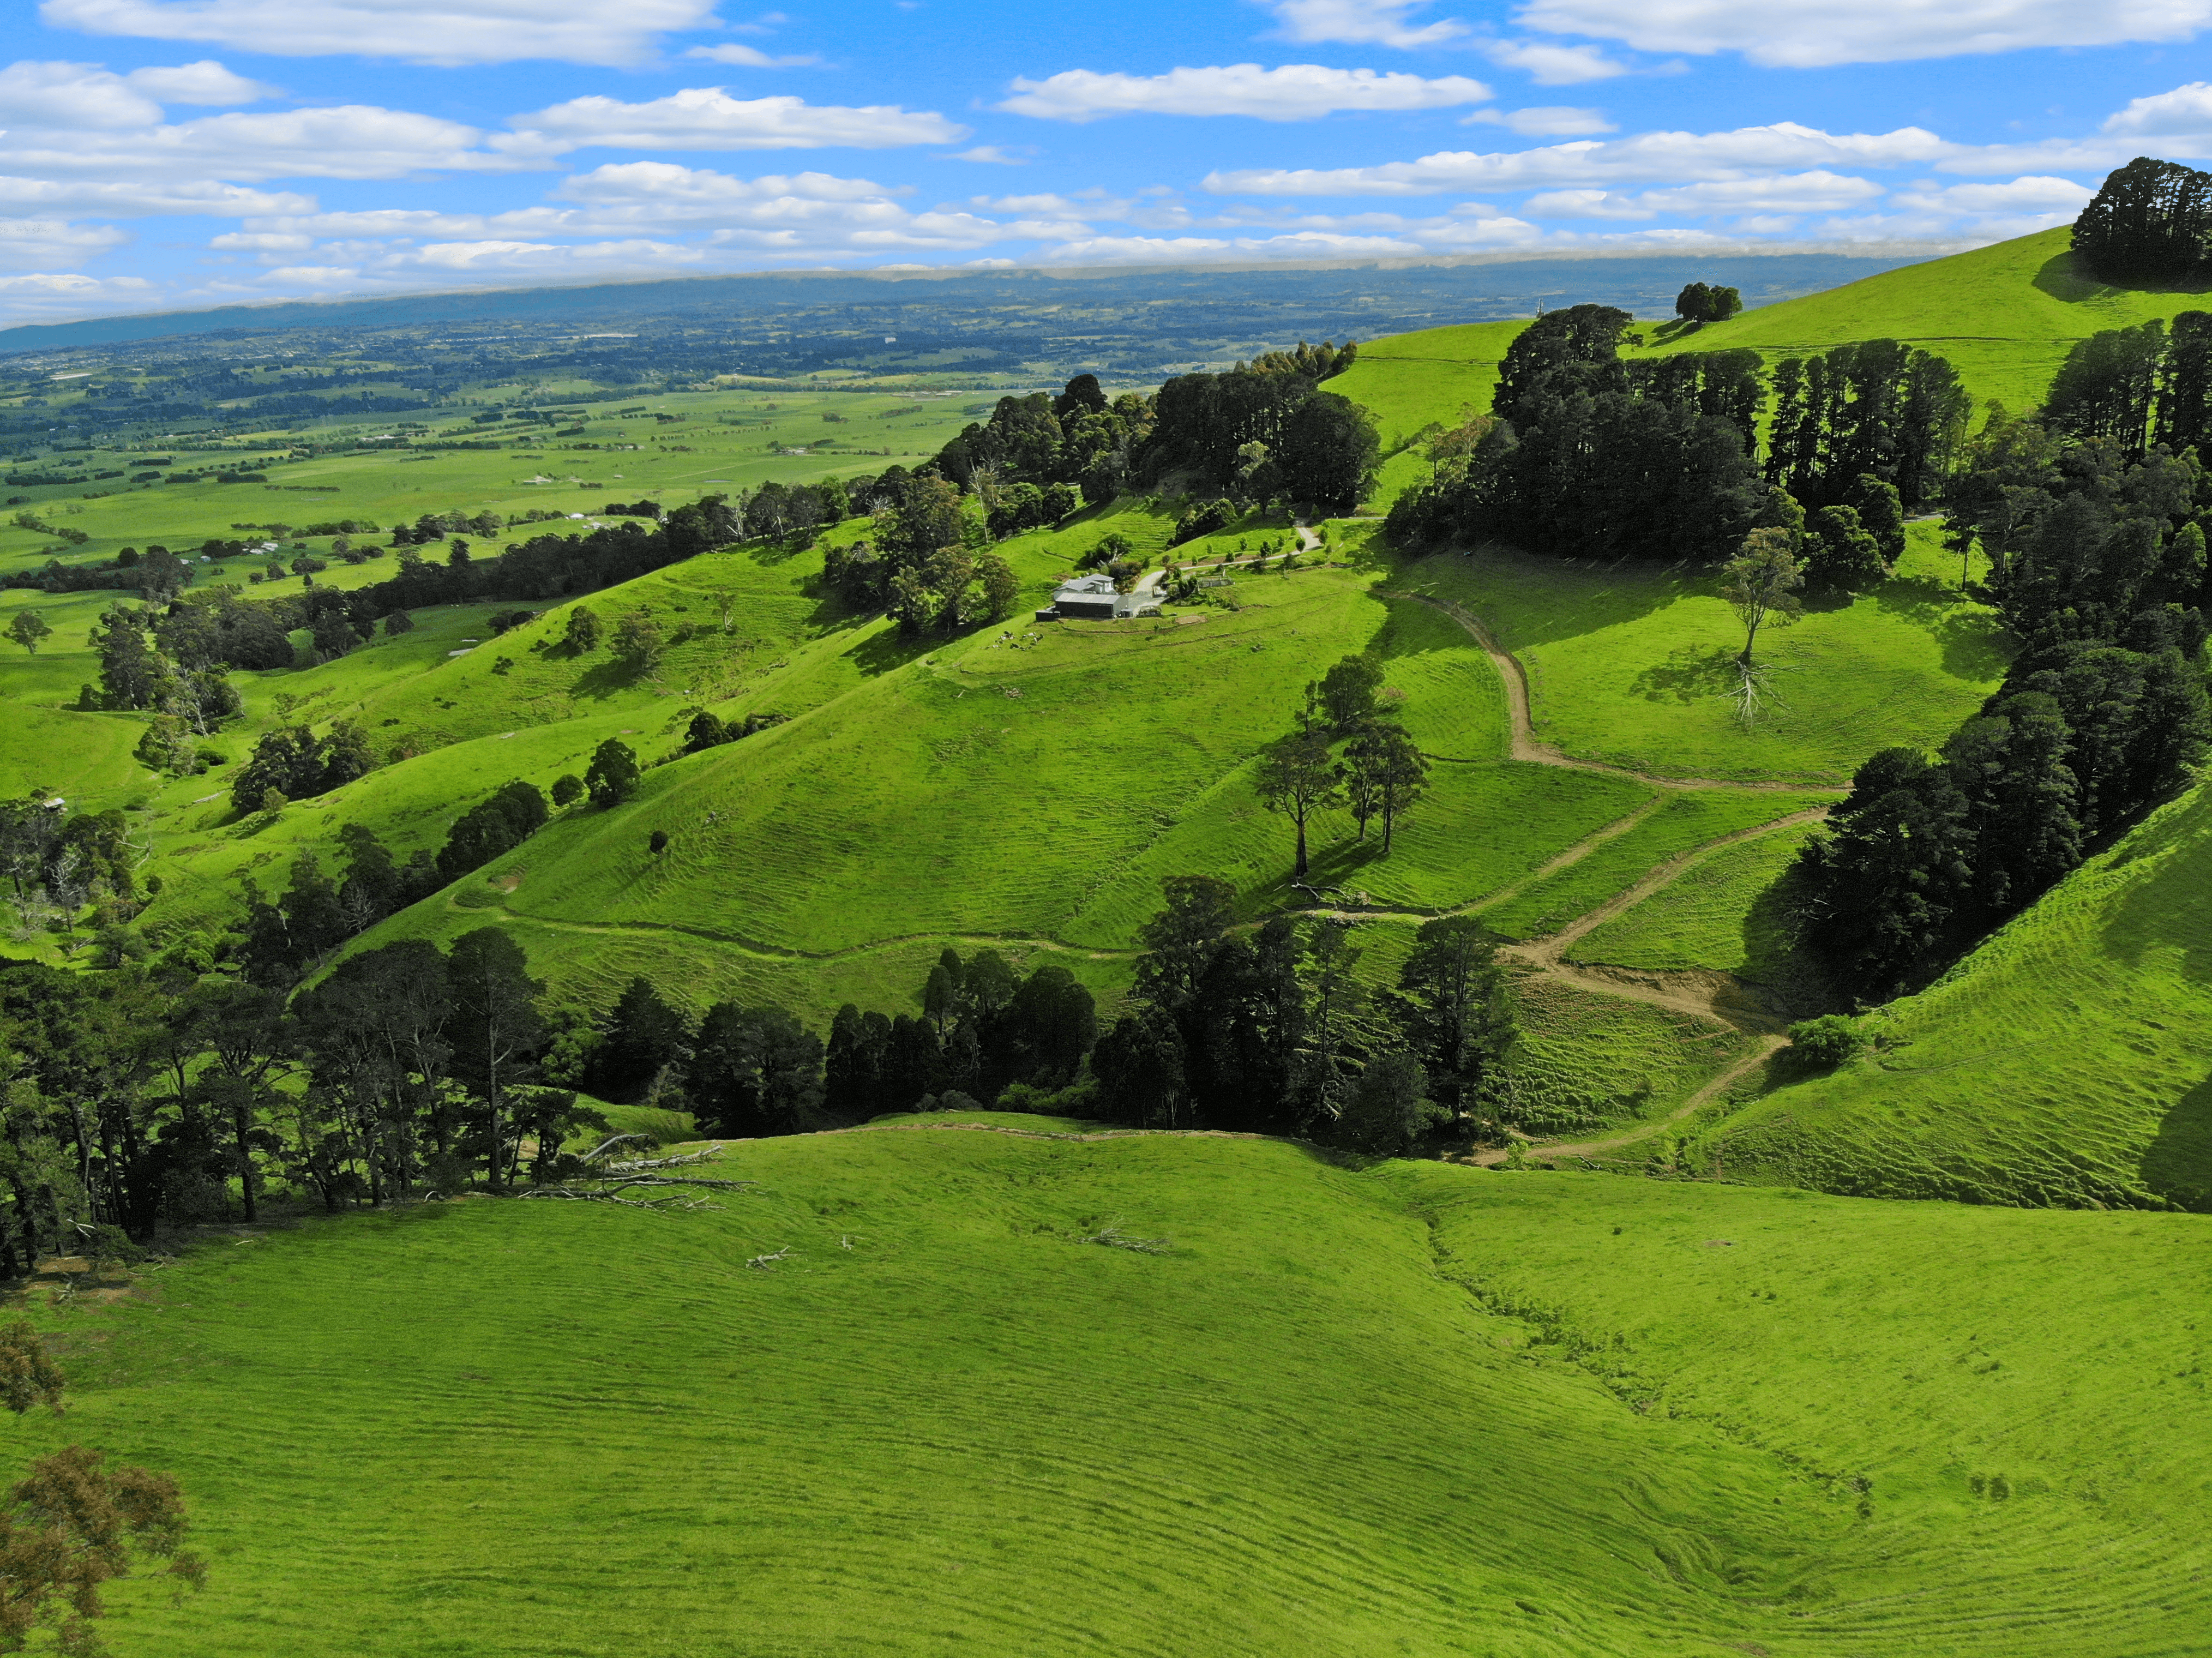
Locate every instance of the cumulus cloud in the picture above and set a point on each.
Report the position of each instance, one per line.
(707, 118)
(1296, 92)
(71, 97)
(2184, 109)
(1549, 64)
(27, 244)
(1545, 121)
(204, 82)
(991, 155)
(1647, 157)
(2031, 195)
(1363, 23)
(139, 201)
(1792, 193)
(37, 295)
(446, 33)
(1814, 34)
(350, 141)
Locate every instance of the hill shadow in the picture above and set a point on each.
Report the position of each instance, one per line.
(1579, 597)
(883, 652)
(2177, 1163)
(2063, 279)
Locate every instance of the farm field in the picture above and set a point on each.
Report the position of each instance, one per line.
(1410, 1408)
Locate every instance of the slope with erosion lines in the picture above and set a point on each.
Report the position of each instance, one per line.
(2067, 1061)
(2029, 1456)
(1285, 1434)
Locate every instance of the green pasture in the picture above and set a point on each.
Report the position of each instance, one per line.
(2065, 1061)
(1589, 1061)
(1415, 1409)
(719, 441)
(2017, 1397)
(1674, 823)
(1722, 914)
(1632, 664)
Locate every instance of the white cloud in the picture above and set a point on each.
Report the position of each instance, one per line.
(750, 58)
(1362, 22)
(71, 97)
(2184, 109)
(1296, 92)
(45, 295)
(1547, 121)
(137, 200)
(1811, 33)
(204, 82)
(351, 140)
(1549, 64)
(1650, 156)
(1800, 192)
(2024, 195)
(262, 241)
(990, 155)
(706, 118)
(447, 33)
(27, 244)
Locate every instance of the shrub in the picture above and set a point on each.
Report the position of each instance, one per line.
(568, 790)
(1827, 1041)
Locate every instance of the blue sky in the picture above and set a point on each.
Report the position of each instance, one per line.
(162, 153)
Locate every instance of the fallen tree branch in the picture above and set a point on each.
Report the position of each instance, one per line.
(763, 1261)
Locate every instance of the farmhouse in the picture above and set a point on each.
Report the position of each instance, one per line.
(1092, 597)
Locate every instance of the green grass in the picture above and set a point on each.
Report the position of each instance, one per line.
(1589, 1060)
(1409, 382)
(490, 1427)
(1722, 914)
(2005, 316)
(1926, 1349)
(1677, 823)
(2065, 1061)
(1632, 666)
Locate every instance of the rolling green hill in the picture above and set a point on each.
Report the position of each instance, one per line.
(2005, 315)
(1415, 1409)
(2068, 1061)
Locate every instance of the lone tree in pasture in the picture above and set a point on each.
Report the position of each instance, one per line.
(1298, 778)
(568, 789)
(1386, 774)
(72, 1523)
(1001, 587)
(584, 629)
(27, 629)
(1345, 696)
(638, 639)
(613, 773)
(1761, 584)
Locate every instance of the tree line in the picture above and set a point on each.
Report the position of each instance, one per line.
(2149, 223)
(1657, 458)
(2098, 566)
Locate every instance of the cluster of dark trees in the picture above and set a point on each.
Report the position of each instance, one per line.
(2150, 223)
(1262, 433)
(1700, 302)
(1613, 459)
(2099, 568)
(1080, 440)
(2138, 388)
(1261, 1030)
(1379, 776)
(929, 564)
(1878, 409)
(294, 763)
(54, 861)
(1657, 458)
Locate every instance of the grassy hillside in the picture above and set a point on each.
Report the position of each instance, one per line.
(462, 1429)
(2068, 1061)
(2005, 316)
